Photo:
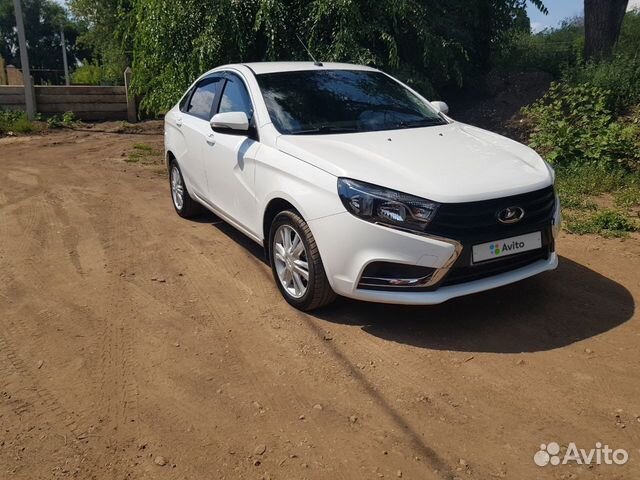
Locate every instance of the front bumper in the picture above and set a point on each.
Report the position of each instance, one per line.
(443, 294)
(348, 244)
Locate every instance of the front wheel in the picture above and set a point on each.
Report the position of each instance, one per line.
(296, 264)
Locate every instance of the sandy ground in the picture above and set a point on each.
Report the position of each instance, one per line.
(128, 334)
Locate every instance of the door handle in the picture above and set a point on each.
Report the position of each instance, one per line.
(179, 121)
(211, 139)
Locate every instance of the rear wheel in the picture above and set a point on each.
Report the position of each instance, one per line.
(185, 206)
(296, 264)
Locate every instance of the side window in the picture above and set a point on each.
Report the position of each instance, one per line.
(235, 98)
(185, 100)
(201, 104)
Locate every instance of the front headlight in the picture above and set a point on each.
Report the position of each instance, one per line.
(388, 207)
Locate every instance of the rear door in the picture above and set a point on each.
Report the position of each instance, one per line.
(194, 123)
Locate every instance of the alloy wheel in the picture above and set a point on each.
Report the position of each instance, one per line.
(290, 257)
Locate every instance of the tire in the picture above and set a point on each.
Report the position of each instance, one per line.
(317, 291)
(187, 207)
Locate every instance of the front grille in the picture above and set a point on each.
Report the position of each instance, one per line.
(472, 221)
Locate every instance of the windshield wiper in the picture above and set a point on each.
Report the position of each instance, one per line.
(427, 122)
(326, 129)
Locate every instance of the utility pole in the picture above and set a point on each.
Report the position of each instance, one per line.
(29, 97)
(64, 57)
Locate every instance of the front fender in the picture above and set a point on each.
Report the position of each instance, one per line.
(312, 191)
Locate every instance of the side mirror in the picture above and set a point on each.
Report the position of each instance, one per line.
(232, 123)
(440, 106)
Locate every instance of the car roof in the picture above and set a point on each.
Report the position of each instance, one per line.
(275, 67)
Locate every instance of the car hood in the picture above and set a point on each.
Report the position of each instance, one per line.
(448, 163)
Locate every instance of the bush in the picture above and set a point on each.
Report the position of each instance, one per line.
(575, 124)
(619, 76)
(66, 120)
(88, 74)
(15, 121)
(630, 33)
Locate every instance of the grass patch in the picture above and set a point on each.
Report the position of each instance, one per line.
(579, 184)
(143, 147)
(143, 153)
(608, 223)
(585, 194)
(126, 127)
(628, 197)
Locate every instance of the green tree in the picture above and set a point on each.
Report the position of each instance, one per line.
(43, 20)
(109, 36)
(428, 43)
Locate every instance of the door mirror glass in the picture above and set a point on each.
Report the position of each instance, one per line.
(440, 106)
(233, 123)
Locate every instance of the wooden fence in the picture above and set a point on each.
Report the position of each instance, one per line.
(87, 103)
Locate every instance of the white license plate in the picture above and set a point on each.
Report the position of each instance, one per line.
(506, 247)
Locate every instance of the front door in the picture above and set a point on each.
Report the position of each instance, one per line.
(230, 165)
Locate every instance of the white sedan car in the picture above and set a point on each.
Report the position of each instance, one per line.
(358, 186)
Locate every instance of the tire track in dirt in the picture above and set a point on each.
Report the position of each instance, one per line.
(58, 238)
(117, 398)
(40, 278)
(19, 383)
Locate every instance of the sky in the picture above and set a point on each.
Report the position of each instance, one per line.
(559, 10)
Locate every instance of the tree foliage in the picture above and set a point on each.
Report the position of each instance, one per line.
(43, 20)
(109, 37)
(429, 43)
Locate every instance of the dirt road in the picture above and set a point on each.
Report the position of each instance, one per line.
(129, 334)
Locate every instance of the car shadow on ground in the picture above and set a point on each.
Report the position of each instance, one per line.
(235, 235)
(549, 311)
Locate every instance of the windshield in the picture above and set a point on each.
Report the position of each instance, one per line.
(341, 101)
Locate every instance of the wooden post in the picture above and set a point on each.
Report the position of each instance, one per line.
(3, 73)
(132, 116)
(29, 97)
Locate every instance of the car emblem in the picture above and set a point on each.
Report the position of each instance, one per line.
(510, 215)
